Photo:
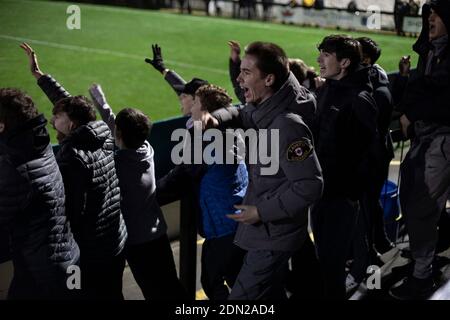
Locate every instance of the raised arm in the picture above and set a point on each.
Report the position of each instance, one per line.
(50, 86)
(99, 99)
(234, 68)
(173, 78)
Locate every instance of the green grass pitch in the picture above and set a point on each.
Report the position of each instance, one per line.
(112, 43)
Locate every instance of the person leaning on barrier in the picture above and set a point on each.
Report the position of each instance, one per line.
(184, 90)
(86, 162)
(146, 226)
(425, 172)
(274, 218)
(32, 199)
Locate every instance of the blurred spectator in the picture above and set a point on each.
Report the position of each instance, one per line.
(352, 7)
(319, 4)
(217, 9)
(267, 6)
(413, 8)
(400, 10)
(183, 4)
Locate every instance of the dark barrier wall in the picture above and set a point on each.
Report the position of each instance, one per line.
(160, 141)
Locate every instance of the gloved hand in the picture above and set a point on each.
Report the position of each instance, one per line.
(157, 61)
(97, 95)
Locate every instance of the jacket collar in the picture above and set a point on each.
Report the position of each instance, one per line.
(26, 141)
(290, 96)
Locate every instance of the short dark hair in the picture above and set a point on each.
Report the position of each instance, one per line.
(301, 70)
(270, 59)
(79, 109)
(369, 49)
(16, 107)
(344, 47)
(213, 97)
(134, 127)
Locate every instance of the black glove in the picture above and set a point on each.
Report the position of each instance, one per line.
(157, 61)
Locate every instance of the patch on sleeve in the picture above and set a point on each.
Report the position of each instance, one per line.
(299, 150)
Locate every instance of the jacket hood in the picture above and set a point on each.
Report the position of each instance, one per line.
(378, 76)
(26, 141)
(442, 8)
(290, 97)
(144, 154)
(91, 135)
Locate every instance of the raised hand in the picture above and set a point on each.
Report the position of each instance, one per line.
(34, 66)
(404, 66)
(157, 62)
(235, 50)
(97, 95)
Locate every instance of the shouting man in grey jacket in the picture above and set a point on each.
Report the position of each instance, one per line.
(274, 215)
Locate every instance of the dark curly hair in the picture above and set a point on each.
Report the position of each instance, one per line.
(16, 107)
(79, 109)
(213, 97)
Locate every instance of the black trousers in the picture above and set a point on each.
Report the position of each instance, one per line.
(334, 224)
(305, 277)
(102, 279)
(221, 262)
(154, 270)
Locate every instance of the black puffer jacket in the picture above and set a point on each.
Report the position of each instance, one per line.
(32, 212)
(86, 161)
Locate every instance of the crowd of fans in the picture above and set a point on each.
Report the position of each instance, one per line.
(96, 203)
